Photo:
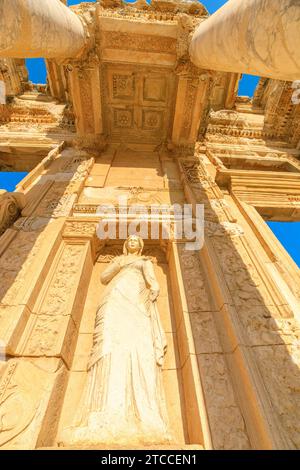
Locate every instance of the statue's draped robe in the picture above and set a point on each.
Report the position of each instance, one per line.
(124, 398)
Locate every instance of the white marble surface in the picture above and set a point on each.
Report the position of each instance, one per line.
(36, 28)
(259, 37)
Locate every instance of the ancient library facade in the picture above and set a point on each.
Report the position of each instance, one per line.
(144, 301)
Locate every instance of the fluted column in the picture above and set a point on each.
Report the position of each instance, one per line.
(39, 28)
(259, 37)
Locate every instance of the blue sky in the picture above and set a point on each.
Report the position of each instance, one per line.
(287, 233)
(8, 180)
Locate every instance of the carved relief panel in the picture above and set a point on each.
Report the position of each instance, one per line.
(138, 104)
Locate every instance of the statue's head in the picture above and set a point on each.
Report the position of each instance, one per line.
(133, 245)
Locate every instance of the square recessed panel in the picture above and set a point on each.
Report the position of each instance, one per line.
(123, 118)
(155, 89)
(123, 86)
(152, 120)
(136, 102)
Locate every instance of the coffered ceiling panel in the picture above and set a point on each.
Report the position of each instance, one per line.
(137, 102)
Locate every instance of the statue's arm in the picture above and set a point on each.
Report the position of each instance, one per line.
(151, 280)
(108, 273)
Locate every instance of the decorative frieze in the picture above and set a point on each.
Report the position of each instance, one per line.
(138, 42)
(79, 228)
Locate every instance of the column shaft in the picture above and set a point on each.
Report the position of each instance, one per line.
(39, 28)
(259, 37)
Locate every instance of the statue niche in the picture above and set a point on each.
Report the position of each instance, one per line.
(123, 400)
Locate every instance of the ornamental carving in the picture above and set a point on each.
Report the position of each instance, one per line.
(157, 10)
(35, 115)
(17, 408)
(138, 42)
(190, 97)
(60, 289)
(16, 264)
(79, 229)
(58, 201)
(32, 224)
(195, 173)
(22, 412)
(123, 85)
(9, 211)
(86, 100)
(196, 291)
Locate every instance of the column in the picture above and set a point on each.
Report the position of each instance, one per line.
(35, 28)
(259, 37)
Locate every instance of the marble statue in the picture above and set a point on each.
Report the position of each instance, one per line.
(124, 400)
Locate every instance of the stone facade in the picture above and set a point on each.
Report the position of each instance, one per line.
(132, 117)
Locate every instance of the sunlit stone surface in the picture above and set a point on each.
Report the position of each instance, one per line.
(166, 347)
(258, 37)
